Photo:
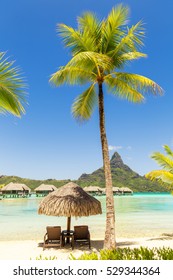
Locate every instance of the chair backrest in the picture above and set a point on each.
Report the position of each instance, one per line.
(53, 233)
(80, 232)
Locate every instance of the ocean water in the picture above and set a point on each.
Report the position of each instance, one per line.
(140, 215)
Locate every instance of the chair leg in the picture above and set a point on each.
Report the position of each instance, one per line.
(72, 242)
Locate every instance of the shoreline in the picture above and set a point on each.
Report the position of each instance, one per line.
(32, 249)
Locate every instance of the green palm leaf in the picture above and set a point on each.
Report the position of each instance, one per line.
(75, 39)
(12, 94)
(90, 30)
(84, 104)
(168, 150)
(112, 28)
(130, 42)
(123, 90)
(140, 83)
(91, 60)
(160, 175)
(72, 75)
(163, 161)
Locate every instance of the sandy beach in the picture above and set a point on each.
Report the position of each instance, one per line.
(32, 249)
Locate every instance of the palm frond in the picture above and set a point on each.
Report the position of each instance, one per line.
(132, 56)
(160, 175)
(140, 83)
(12, 93)
(71, 38)
(112, 28)
(130, 42)
(71, 75)
(91, 60)
(122, 90)
(163, 161)
(84, 104)
(90, 29)
(168, 150)
(124, 59)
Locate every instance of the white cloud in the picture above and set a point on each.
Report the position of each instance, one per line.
(114, 148)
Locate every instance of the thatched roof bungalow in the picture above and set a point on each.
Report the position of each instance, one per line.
(45, 189)
(16, 188)
(119, 191)
(94, 190)
(126, 191)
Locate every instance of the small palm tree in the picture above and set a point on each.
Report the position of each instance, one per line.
(100, 49)
(12, 95)
(166, 162)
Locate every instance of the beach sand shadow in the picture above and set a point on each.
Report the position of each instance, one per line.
(126, 243)
(164, 236)
(95, 245)
(67, 247)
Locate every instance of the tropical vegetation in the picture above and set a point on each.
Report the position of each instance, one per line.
(142, 253)
(164, 175)
(12, 88)
(100, 49)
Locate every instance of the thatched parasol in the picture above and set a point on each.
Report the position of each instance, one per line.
(15, 187)
(69, 200)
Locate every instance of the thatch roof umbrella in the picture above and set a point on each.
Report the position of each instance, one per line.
(15, 187)
(43, 188)
(69, 200)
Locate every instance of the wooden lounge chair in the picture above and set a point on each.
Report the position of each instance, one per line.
(53, 237)
(81, 235)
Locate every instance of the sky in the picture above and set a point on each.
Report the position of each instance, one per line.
(47, 142)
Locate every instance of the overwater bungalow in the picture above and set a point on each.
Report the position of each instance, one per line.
(15, 190)
(126, 191)
(119, 191)
(95, 190)
(44, 190)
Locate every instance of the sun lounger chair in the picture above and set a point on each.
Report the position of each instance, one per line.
(81, 235)
(53, 237)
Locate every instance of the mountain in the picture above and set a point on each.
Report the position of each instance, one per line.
(122, 176)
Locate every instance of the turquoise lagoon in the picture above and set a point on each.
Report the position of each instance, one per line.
(140, 215)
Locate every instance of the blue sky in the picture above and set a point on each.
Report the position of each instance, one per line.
(47, 142)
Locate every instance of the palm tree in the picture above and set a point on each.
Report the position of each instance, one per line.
(12, 95)
(100, 48)
(166, 162)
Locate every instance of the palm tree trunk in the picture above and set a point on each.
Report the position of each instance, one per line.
(109, 241)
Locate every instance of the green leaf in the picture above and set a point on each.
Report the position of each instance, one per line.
(122, 90)
(160, 175)
(71, 75)
(12, 93)
(84, 104)
(163, 161)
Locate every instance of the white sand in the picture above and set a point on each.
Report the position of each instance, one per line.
(30, 249)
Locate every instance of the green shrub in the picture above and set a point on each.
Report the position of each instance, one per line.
(141, 253)
(85, 256)
(41, 258)
(165, 253)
